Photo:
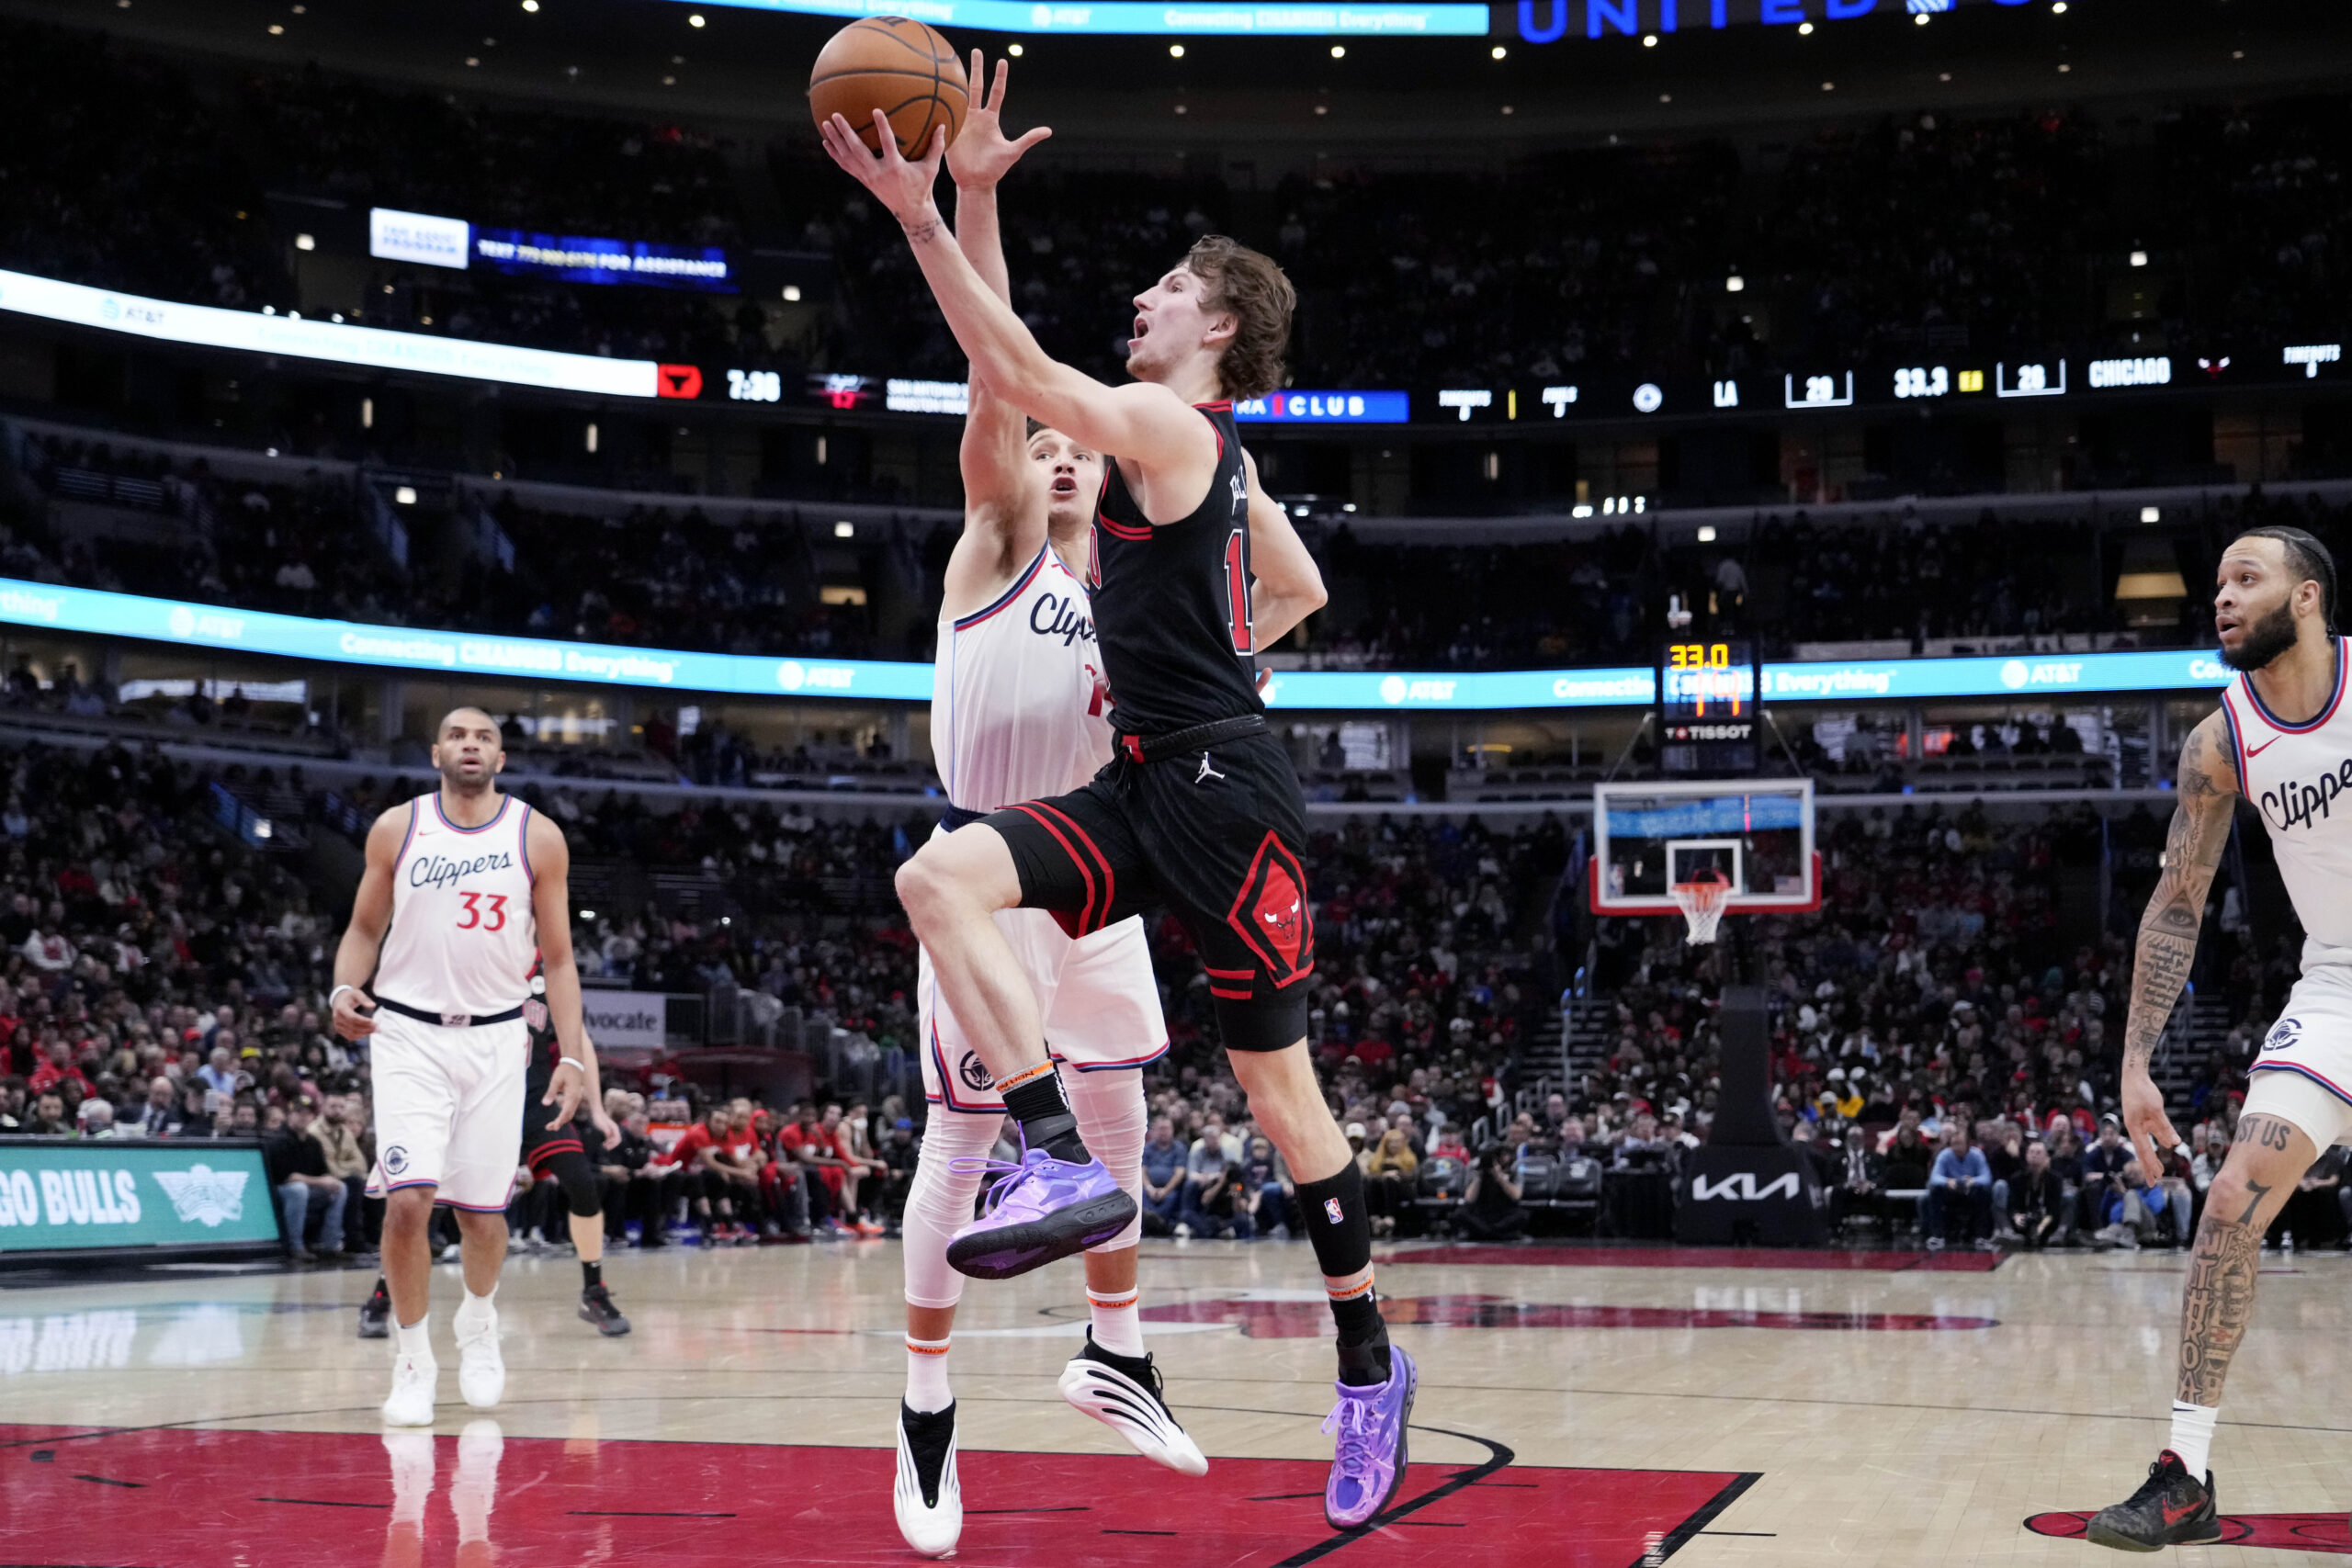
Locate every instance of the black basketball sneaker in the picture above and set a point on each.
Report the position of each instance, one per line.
(596, 1306)
(2172, 1508)
(376, 1313)
(928, 1498)
(1124, 1392)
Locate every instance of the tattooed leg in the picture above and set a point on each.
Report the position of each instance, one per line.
(2269, 1157)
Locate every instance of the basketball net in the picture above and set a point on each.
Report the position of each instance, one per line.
(1703, 905)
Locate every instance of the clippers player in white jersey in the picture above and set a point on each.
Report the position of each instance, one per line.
(465, 890)
(2282, 740)
(1020, 710)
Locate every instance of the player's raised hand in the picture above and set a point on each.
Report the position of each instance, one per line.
(903, 187)
(2145, 1122)
(982, 155)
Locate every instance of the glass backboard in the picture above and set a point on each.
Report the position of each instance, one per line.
(1756, 834)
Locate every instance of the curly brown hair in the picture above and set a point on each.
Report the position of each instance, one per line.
(1252, 286)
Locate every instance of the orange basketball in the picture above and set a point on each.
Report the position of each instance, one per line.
(899, 66)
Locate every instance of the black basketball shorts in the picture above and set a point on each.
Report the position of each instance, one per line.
(1215, 836)
(540, 1142)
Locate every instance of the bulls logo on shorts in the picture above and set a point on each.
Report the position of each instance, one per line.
(975, 1076)
(395, 1161)
(1270, 916)
(534, 1016)
(2285, 1033)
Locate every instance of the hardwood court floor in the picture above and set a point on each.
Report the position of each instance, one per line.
(1578, 1406)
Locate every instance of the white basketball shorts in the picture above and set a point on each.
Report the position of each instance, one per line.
(448, 1108)
(1097, 995)
(2303, 1073)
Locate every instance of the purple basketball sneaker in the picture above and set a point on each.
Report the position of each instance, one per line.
(1040, 1209)
(1368, 1462)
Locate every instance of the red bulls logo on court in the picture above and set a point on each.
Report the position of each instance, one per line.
(1271, 913)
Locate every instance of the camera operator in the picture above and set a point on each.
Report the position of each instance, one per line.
(1490, 1210)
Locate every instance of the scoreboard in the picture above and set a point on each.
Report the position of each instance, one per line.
(1706, 706)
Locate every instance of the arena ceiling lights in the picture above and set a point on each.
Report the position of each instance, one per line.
(1128, 18)
(291, 337)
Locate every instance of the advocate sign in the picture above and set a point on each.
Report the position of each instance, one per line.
(82, 1195)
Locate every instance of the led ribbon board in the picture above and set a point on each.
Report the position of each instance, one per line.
(207, 326)
(94, 612)
(1124, 16)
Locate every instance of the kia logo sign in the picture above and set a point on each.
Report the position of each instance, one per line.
(680, 380)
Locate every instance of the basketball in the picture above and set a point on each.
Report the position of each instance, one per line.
(899, 66)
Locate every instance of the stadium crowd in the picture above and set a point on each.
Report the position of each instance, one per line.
(1994, 233)
(640, 573)
(1943, 1034)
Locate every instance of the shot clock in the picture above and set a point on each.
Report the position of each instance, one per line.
(1706, 706)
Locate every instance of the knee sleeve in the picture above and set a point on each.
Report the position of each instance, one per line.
(940, 1203)
(581, 1191)
(1111, 1118)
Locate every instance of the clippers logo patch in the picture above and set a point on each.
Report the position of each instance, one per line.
(395, 1161)
(1332, 1212)
(2285, 1033)
(975, 1076)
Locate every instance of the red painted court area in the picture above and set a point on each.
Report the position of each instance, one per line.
(311, 1500)
(1700, 1257)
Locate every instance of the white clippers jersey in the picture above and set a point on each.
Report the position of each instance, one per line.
(1019, 707)
(2297, 776)
(463, 940)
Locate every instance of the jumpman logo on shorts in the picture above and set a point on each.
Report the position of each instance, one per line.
(1206, 772)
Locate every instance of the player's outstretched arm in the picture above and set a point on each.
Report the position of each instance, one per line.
(1286, 585)
(574, 1077)
(1144, 423)
(363, 936)
(2167, 947)
(1003, 515)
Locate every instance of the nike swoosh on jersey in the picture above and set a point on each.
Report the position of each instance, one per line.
(2258, 750)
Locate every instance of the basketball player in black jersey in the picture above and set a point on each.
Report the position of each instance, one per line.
(549, 1151)
(1200, 811)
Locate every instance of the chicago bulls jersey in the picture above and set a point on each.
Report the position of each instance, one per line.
(1171, 603)
(463, 938)
(1018, 703)
(2300, 778)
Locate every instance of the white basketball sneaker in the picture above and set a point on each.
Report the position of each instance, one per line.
(1124, 1393)
(411, 1402)
(928, 1498)
(481, 1372)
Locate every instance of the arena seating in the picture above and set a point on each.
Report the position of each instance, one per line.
(1607, 258)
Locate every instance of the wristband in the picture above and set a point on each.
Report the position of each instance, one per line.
(568, 1061)
(336, 992)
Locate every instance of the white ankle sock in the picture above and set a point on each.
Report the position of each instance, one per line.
(1118, 1322)
(476, 1309)
(2192, 1435)
(927, 1376)
(414, 1339)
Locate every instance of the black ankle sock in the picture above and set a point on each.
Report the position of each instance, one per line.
(1364, 1363)
(591, 1274)
(1046, 1120)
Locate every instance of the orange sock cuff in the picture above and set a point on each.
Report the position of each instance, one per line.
(1349, 1292)
(1113, 1302)
(1026, 1075)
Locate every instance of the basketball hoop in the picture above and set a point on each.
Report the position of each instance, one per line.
(1703, 905)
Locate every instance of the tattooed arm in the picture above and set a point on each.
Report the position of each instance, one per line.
(2167, 947)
